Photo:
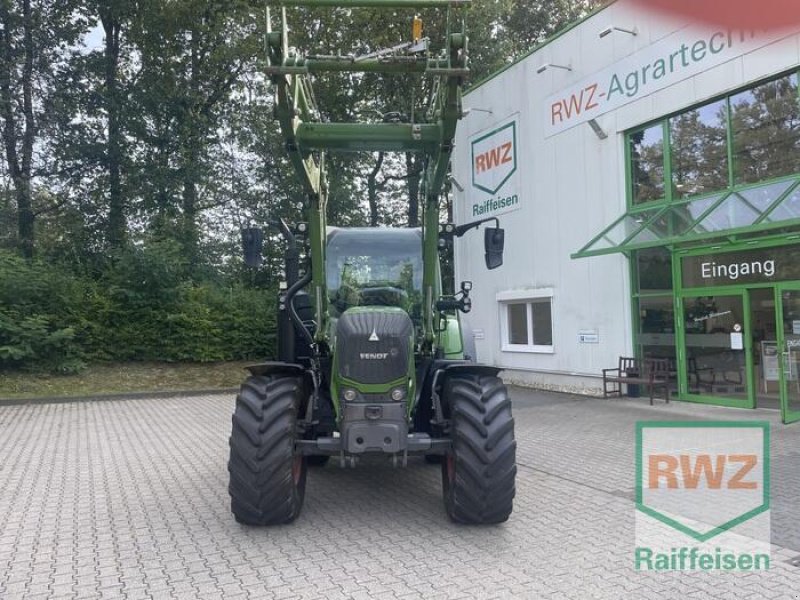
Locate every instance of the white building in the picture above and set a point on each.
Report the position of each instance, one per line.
(682, 147)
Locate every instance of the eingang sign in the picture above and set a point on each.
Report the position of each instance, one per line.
(494, 188)
(678, 56)
(763, 265)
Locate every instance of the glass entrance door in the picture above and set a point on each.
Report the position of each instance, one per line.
(716, 361)
(766, 351)
(789, 340)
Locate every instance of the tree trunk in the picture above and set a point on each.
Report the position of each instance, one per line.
(117, 222)
(413, 174)
(189, 236)
(24, 195)
(372, 191)
(19, 159)
(190, 155)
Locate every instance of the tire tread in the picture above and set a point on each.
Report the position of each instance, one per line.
(262, 486)
(484, 450)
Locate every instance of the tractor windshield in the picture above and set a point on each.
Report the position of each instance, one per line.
(375, 267)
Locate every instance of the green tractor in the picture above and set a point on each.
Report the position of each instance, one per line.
(372, 358)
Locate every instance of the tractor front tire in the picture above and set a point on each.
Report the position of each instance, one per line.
(267, 478)
(478, 473)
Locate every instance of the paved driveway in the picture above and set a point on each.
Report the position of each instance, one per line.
(128, 499)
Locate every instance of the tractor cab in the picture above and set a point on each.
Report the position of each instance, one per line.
(374, 267)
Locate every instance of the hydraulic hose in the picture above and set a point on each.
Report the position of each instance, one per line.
(290, 294)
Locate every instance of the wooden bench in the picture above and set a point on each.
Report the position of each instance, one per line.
(702, 376)
(650, 372)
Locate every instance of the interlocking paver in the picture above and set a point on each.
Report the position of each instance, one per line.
(128, 499)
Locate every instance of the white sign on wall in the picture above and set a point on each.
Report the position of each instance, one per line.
(676, 57)
(769, 361)
(494, 188)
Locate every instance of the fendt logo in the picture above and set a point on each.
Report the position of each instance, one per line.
(699, 482)
(374, 355)
(494, 158)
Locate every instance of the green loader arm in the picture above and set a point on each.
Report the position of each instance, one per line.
(307, 138)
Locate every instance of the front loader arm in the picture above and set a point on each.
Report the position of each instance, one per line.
(294, 105)
(446, 110)
(307, 138)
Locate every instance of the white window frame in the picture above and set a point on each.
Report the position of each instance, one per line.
(528, 297)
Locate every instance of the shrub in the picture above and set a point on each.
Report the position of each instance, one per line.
(40, 316)
(143, 307)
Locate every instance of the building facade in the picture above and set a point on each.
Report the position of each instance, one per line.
(647, 174)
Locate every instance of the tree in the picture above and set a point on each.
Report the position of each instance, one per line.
(530, 22)
(34, 41)
(193, 53)
(19, 129)
(114, 15)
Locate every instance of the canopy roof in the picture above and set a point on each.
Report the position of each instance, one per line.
(764, 207)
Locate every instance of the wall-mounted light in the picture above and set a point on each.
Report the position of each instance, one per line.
(613, 28)
(454, 181)
(597, 129)
(546, 66)
(466, 111)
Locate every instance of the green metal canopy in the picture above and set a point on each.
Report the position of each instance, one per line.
(763, 207)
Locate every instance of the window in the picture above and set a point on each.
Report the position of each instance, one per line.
(698, 141)
(654, 270)
(647, 164)
(748, 137)
(526, 321)
(766, 131)
(518, 324)
(656, 337)
(653, 302)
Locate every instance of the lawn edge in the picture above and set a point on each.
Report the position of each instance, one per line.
(114, 396)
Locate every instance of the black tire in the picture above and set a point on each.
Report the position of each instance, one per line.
(478, 474)
(267, 479)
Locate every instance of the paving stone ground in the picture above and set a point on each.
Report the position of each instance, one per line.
(128, 499)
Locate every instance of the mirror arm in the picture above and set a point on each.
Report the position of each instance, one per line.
(285, 230)
(292, 258)
(462, 229)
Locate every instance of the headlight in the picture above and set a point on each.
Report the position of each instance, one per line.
(350, 395)
(398, 394)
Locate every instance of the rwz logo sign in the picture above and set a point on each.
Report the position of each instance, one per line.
(702, 478)
(494, 158)
(566, 108)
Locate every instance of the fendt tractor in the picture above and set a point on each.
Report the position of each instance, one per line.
(372, 359)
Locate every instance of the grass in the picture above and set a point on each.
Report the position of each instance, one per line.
(108, 378)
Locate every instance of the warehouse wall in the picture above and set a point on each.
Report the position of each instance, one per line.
(570, 184)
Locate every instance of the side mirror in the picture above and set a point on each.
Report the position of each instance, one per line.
(493, 242)
(253, 244)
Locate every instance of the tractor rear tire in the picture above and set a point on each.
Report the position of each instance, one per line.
(478, 473)
(267, 478)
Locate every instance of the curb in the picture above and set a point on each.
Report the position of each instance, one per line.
(115, 396)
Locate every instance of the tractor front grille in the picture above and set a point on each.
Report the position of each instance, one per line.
(373, 346)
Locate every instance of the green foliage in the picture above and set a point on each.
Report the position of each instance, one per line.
(39, 317)
(156, 142)
(143, 308)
